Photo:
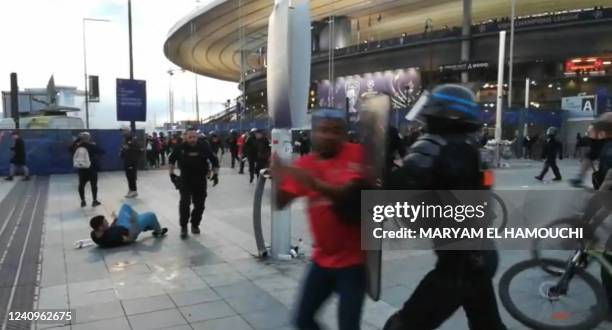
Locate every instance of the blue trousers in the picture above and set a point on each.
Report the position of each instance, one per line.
(144, 221)
(349, 283)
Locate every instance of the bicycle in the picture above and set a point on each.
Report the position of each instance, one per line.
(568, 296)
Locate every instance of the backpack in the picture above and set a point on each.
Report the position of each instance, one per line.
(80, 159)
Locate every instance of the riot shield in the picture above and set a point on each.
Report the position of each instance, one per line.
(373, 124)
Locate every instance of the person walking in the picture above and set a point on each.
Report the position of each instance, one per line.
(304, 143)
(194, 160)
(250, 151)
(163, 148)
(232, 144)
(331, 178)
(130, 154)
(551, 150)
(262, 153)
(86, 160)
(240, 143)
(18, 159)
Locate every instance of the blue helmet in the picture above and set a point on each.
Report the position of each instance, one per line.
(449, 102)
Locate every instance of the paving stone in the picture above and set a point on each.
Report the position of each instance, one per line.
(114, 324)
(246, 304)
(97, 312)
(147, 304)
(207, 311)
(194, 297)
(157, 320)
(269, 318)
(233, 323)
(239, 289)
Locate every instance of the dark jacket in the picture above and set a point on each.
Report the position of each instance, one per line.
(263, 150)
(130, 152)
(552, 149)
(19, 154)
(194, 161)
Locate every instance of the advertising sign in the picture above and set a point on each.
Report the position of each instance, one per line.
(580, 106)
(131, 100)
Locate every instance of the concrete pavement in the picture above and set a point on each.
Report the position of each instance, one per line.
(210, 281)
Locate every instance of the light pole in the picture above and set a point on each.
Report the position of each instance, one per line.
(171, 93)
(85, 19)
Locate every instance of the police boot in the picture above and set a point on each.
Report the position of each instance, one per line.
(184, 233)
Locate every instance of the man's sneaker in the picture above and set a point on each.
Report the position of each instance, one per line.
(131, 194)
(538, 178)
(557, 179)
(195, 230)
(83, 204)
(162, 232)
(26, 178)
(8, 178)
(184, 232)
(95, 203)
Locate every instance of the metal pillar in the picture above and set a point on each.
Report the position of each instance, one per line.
(466, 34)
(511, 55)
(281, 219)
(132, 123)
(500, 94)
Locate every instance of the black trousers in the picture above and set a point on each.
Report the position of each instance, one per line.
(131, 173)
(241, 160)
(550, 164)
(91, 176)
(192, 193)
(234, 154)
(252, 168)
(162, 155)
(445, 289)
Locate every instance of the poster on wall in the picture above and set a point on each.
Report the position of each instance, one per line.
(580, 106)
(403, 87)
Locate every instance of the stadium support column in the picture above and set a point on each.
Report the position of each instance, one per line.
(466, 35)
(14, 99)
(500, 94)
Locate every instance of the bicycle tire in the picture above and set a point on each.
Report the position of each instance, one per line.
(535, 249)
(598, 315)
(501, 203)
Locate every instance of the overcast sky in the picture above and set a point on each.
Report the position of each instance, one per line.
(44, 37)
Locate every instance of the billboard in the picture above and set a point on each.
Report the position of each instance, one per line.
(131, 100)
(403, 87)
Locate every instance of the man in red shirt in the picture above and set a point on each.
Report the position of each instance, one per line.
(240, 144)
(331, 178)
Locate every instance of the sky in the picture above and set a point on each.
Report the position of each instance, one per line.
(41, 38)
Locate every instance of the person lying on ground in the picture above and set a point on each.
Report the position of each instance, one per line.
(125, 228)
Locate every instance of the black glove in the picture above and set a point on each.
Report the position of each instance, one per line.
(215, 179)
(176, 180)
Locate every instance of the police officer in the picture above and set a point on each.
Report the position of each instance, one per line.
(232, 144)
(552, 149)
(215, 143)
(447, 158)
(192, 157)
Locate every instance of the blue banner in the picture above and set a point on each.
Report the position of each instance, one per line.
(47, 149)
(131, 100)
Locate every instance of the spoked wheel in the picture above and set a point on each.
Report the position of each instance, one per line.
(529, 295)
(558, 249)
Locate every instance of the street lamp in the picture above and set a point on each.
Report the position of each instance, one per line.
(171, 93)
(85, 19)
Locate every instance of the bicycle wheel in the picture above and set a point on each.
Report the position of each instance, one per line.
(524, 290)
(500, 211)
(555, 249)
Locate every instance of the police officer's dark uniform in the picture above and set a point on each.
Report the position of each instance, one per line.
(304, 144)
(552, 149)
(193, 161)
(232, 144)
(447, 158)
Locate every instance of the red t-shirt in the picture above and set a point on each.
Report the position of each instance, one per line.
(336, 244)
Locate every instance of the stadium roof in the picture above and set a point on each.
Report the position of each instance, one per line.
(207, 41)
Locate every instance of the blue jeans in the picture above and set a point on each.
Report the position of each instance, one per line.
(144, 221)
(320, 283)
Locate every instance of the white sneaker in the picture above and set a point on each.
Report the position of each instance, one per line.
(131, 194)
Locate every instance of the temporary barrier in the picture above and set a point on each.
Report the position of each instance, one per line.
(47, 149)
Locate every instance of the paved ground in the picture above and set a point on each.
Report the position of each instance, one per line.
(211, 281)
